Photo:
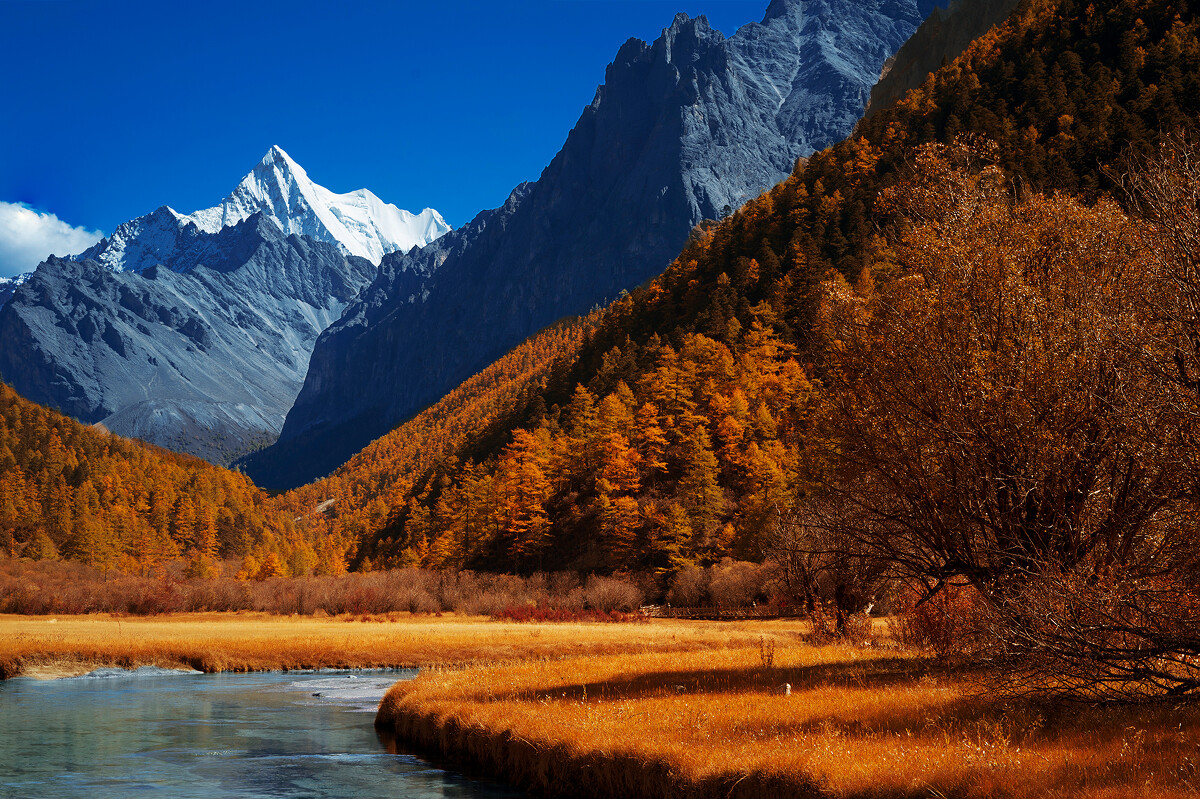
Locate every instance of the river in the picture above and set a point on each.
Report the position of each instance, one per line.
(119, 735)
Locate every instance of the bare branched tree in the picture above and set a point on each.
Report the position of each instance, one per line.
(996, 424)
(1165, 190)
(819, 565)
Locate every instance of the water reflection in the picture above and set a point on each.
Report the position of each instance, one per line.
(243, 735)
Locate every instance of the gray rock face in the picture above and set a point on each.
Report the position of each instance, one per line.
(161, 237)
(9, 284)
(681, 130)
(205, 357)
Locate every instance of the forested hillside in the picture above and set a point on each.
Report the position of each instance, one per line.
(79, 492)
(679, 427)
(363, 495)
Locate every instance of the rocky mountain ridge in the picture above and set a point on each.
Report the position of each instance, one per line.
(194, 331)
(205, 360)
(359, 223)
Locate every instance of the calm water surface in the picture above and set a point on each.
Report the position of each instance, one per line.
(152, 734)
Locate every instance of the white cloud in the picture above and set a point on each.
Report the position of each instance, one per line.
(27, 236)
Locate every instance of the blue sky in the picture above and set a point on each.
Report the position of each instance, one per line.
(111, 109)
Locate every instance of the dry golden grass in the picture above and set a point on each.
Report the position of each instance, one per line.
(858, 722)
(43, 646)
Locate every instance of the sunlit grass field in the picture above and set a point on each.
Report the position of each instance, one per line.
(65, 645)
(718, 722)
(666, 708)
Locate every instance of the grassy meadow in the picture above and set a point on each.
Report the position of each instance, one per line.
(666, 707)
(67, 645)
(858, 721)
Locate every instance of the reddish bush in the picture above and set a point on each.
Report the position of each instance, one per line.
(942, 623)
(609, 594)
(46, 587)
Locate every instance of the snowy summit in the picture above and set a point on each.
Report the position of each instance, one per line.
(358, 222)
(361, 223)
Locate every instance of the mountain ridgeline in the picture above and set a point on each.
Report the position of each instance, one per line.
(194, 331)
(684, 129)
(203, 354)
(670, 427)
(944, 35)
(357, 223)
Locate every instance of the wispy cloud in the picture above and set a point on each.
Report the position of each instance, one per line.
(27, 236)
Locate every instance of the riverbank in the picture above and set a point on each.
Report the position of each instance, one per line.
(864, 722)
(63, 646)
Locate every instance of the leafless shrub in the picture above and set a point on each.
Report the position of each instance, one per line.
(737, 584)
(1094, 637)
(766, 652)
(42, 587)
(569, 594)
(689, 587)
(610, 593)
(943, 623)
(995, 422)
(412, 590)
(484, 594)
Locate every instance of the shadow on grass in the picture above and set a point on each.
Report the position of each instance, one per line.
(871, 674)
(972, 745)
(969, 711)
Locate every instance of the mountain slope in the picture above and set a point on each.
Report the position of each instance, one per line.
(478, 411)
(9, 284)
(194, 332)
(685, 129)
(941, 38)
(1100, 63)
(205, 361)
(66, 489)
(359, 223)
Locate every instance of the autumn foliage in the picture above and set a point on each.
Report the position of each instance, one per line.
(358, 499)
(76, 492)
(686, 465)
(957, 350)
(509, 472)
(1011, 412)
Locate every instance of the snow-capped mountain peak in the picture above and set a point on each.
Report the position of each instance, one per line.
(9, 284)
(361, 223)
(358, 222)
